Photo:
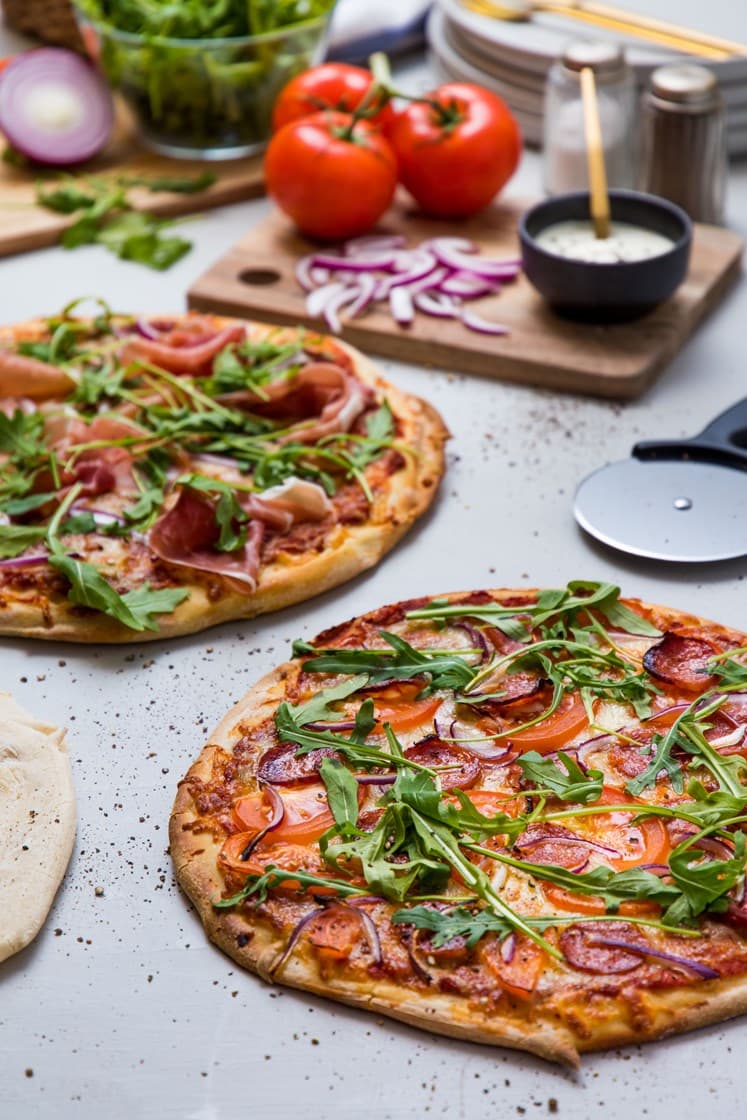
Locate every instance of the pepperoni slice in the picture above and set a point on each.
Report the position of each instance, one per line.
(452, 952)
(279, 766)
(681, 661)
(583, 947)
(519, 688)
(432, 752)
(549, 843)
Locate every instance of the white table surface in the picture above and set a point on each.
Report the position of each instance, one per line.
(122, 1009)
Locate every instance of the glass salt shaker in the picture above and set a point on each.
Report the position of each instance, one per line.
(565, 164)
(684, 157)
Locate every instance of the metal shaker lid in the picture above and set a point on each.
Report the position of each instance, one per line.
(687, 85)
(605, 59)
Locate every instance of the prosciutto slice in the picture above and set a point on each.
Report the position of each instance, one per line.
(23, 376)
(322, 396)
(294, 500)
(179, 351)
(186, 536)
(102, 470)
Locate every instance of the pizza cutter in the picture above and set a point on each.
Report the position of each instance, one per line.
(682, 499)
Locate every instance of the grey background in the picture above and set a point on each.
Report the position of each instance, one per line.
(121, 1009)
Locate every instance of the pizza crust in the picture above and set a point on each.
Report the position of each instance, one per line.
(37, 822)
(291, 578)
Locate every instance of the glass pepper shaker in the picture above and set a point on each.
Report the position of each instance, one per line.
(565, 163)
(684, 156)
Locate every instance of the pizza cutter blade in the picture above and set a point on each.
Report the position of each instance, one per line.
(680, 500)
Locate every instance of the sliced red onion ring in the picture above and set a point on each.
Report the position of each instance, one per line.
(535, 841)
(362, 263)
(55, 107)
(340, 725)
(100, 516)
(718, 848)
(476, 323)
(401, 306)
(278, 812)
(508, 948)
(374, 243)
(478, 639)
(702, 970)
(23, 561)
(369, 928)
(489, 750)
(317, 301)
(366, 289)
(435, 304)
(665, 712)
(466, 286)
(146, 329)
(293, 939)
(376, 779)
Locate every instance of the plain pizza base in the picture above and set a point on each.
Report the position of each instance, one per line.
(37, 822)
(561, 1030)
(291, 579)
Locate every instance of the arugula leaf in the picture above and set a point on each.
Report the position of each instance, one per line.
(342, 792)
(88, 588)
(472, 925)
(319, 708)
(22, 436)
(573, 785)
(380, 424)
(728, 669)
(262, 885)
(14, 507)
(442, 670)
(144, 604)
(291, 731)
(703, 882)
(661, 760)
(15, 539)
(95, 385)
(553, 604)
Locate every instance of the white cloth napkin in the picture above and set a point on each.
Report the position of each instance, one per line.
(360, 27)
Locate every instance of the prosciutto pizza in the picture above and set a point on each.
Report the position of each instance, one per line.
(161, 475)
(515, 817)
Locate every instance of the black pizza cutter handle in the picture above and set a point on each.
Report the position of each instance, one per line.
(723, 441)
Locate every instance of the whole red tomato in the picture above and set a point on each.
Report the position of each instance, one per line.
(333, 176)
(456, 148)
(334, 85)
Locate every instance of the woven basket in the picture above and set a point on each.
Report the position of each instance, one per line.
(49, 20)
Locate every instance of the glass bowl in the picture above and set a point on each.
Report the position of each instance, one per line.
(203, 98)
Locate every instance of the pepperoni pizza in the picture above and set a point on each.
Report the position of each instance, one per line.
(513, 817)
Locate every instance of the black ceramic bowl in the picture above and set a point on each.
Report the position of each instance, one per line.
(606, 292)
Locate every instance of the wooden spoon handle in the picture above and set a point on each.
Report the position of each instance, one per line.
(600, 203)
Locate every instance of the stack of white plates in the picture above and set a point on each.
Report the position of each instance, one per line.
(513, 58)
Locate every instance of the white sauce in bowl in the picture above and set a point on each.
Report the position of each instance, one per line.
(577, 240)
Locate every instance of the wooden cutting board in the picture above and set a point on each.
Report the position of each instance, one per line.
(24, 225)
(256, 279)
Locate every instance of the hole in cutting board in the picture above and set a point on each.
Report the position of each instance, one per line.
(259, 276)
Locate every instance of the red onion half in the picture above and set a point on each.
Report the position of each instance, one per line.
(54, 107)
